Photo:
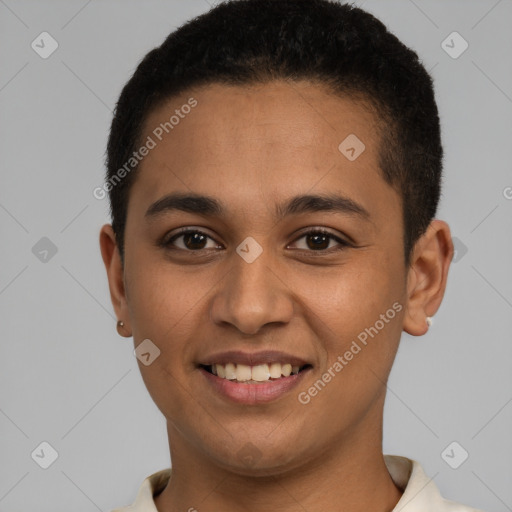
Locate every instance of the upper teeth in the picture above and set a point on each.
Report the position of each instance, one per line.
(259, 373)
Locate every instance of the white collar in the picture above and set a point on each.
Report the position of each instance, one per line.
(420, 493)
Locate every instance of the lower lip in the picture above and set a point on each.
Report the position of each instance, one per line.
(262, 392)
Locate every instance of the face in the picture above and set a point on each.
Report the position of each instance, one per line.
(292, 260)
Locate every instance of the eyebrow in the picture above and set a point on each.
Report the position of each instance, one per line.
(209, 206)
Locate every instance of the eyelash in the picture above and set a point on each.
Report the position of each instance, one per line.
(167, 242)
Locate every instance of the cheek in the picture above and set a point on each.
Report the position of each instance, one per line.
(164, 305)
(350, 298)
(162, 297)
(360, 312)
(363, 315)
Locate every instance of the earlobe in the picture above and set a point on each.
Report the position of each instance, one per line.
(427, 277)
(115, 275)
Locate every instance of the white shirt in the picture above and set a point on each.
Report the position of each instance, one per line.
(420, 493)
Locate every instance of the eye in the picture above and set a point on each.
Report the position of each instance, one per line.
(193, 240)
(319, 240)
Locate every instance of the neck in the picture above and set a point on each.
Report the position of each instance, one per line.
(348, 476)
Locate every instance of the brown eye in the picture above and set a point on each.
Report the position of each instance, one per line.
(316, 240)
(192, 240)
(320, 240)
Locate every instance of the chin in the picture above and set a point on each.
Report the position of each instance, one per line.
(259, 460)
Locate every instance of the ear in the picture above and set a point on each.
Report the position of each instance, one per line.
(427, 276)
(115, 273)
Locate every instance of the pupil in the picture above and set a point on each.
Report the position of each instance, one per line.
(194, 238)
(322, 238)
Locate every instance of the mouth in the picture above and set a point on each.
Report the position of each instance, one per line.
(253, 378)
(243, 373)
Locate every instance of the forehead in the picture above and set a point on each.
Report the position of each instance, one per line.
(257, 142)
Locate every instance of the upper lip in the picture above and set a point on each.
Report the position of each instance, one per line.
(253, 358)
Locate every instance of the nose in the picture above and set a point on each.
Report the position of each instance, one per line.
(252, 295)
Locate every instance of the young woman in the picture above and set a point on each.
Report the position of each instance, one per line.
(274, 172)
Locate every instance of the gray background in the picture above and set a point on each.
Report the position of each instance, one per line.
(67, 378)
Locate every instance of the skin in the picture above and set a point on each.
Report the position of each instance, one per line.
(251, 148)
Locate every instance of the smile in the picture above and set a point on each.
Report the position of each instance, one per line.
(251, 378)
(253, 374)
